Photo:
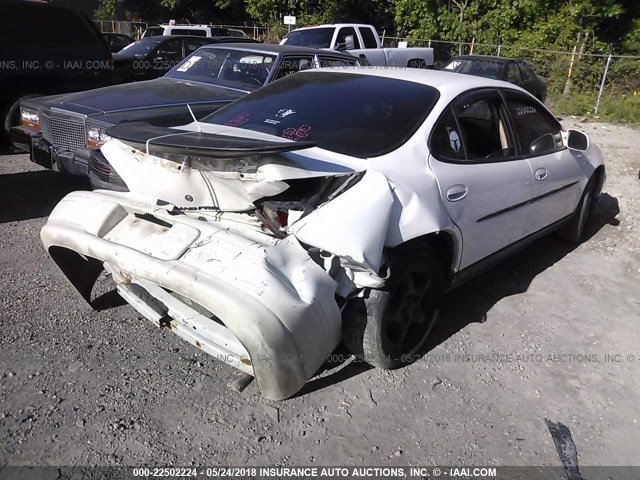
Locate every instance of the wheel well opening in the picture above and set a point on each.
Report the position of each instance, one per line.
(444, 245)
(81, 271)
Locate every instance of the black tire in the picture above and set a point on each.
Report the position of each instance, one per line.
(388, 327)
(575, 230)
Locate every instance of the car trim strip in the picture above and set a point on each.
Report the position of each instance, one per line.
(528, 202)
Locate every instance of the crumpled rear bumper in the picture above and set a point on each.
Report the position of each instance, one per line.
(259, 304)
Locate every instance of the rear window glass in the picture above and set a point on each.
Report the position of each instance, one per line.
(487, 68)
(184, 31)
(153, 32)
(358, 115)
(140, 48)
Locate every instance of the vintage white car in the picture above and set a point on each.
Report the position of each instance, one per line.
(332, 205)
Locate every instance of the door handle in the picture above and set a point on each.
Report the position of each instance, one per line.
(541, 174)
(455, 193)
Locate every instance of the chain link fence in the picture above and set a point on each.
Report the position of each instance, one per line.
(591, 76)
(133, 29)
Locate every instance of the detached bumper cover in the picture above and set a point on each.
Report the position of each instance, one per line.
(271, 299)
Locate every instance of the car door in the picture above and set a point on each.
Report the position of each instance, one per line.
(485, 186)
(556, 172)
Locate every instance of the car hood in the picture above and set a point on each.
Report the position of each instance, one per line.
(161, 92)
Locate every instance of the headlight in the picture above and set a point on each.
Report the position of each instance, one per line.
(29, 117)
(96, 136)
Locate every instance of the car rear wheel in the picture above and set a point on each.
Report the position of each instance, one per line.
(388, 327)
(575, 230)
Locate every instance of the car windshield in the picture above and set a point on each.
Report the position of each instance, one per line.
(140, 48)
(480, 67)
(241, 69)
(358, 115)
(314, 38)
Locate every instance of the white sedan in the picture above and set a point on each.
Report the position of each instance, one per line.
(332, 205)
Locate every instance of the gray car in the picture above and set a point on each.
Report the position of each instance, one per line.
(62, 132)
(510, 70)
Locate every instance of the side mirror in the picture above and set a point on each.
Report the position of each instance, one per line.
(542, 144)
(577, 140)
(349, 42)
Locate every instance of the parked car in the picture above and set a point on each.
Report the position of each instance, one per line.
(34, 64)
(194, 30)
(152, 57)
(61, 132)
(510, 70)
(117, 41)
(362, 41)
(332, 204)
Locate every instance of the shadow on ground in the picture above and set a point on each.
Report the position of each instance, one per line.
(471, 302)
(28, 195)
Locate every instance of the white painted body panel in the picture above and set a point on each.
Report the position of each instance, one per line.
(491, 188)
(277, 297)
(274, 299)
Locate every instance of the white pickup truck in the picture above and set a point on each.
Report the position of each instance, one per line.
(361, 41)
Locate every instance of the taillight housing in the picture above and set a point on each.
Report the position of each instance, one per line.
(275, 216)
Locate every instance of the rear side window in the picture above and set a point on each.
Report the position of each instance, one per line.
(479, 133)
(368, 38)
(186, 31)
(170, 51)
(531, 121)
(154, 32)
(43, 24)
(358, 115)
(526, 72)
(446, 140)
(342, 38)
(191, 45)
(513, 74)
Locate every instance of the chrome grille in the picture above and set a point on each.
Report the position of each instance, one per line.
(63, 131)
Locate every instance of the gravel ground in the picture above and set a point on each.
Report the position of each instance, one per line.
(79, 387)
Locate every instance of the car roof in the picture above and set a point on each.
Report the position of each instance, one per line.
(276, 49)
(336, 26)
(163, 38)
(181, 25)
(449, 84)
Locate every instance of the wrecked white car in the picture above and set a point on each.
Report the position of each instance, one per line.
(332, 204)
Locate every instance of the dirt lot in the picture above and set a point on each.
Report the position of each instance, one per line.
(80, 387)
